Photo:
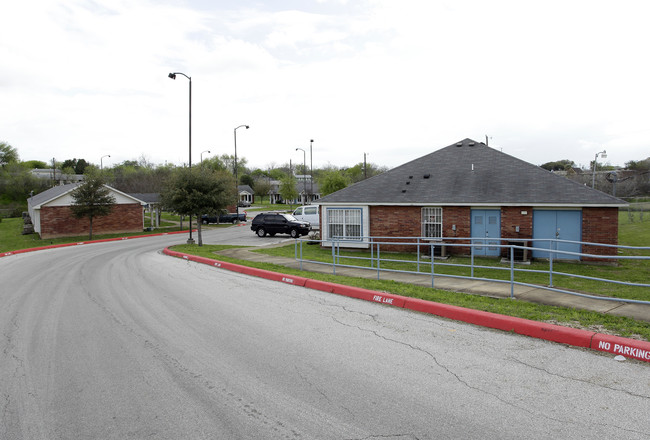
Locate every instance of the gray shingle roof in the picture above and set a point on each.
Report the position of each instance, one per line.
(50, 194)
(470, 173)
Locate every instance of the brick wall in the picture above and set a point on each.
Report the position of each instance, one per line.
(395, 221)
(58, 221)
(600, 225)
(513, 217)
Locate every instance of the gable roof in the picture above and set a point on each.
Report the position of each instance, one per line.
(53, 193)
(470, 173)
(245, 188)
(50, 194)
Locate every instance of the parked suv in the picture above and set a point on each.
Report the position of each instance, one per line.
(277, 223)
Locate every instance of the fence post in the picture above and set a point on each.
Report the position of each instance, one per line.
(432, 268)
(550, 263)
(372, 254)
(512, 271)
(333, 258)
(471, 247)
(378, 261)
(300, 254)
(418, 246)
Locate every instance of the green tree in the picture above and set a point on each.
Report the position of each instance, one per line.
(33, 164)
(8, 154)
(247, 179)
(229, 162)
(214, 163)
(638, 165)
(77, 166)
(91, 199)
(560, 165)
(332, 181)
(262, 187)
(288, 189)
(196, 191)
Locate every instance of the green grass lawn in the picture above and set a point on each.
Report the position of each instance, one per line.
(12, 239)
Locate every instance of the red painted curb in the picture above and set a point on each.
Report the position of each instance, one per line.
(323, 286)
(369, 295)
(541, 330)
(625, 347)
(556, 333)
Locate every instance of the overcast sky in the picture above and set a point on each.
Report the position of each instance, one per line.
(396, 79)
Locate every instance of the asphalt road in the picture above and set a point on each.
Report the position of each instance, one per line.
(117, 341)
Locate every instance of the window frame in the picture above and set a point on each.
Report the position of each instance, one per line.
(358, 214)
(431, 219)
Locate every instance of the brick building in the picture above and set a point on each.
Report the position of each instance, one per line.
(52, 217)
(469, 190)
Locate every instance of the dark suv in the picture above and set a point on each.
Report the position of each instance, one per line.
(277, 223)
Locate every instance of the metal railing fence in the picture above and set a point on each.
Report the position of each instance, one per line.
(427, 261)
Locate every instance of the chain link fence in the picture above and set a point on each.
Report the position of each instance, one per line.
(637, 212)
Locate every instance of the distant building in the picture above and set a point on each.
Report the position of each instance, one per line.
(52, 217)
(56, 176)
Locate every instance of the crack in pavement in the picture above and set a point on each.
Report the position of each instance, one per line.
(451, 373)
(577, 379)
(321, 392)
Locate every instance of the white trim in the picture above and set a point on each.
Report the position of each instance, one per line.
(365, 226)
(491, 205)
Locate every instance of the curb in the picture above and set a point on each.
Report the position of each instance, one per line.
(632, 348)
(79, 243)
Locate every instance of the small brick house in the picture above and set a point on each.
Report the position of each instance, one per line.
(52, 217)
(469, 190)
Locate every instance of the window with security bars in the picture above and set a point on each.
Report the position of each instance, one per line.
(344, 223)
(432, 222)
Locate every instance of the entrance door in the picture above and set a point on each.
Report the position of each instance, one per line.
(561, 225)
(486, 225)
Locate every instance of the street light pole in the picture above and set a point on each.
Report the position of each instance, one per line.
(173, 76)
(204, 151)
(236, 179)
(101, 161)
(304, 169)
(603, 154)
(311, 169)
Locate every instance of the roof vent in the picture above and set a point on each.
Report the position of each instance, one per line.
(471, 144)
(459, 144)
(410, 177)
(408, 183)
(403, 190)
(426, 176)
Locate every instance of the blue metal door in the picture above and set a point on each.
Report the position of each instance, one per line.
(560, 225)
(486, 226)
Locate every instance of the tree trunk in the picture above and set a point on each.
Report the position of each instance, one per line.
(199, 223)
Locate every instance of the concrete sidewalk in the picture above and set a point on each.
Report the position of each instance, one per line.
(486, 288)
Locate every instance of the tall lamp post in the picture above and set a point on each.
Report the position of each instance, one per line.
(603, 154)
(304, 169)
(204, 151)
(101, 161)
(311, 169)
(173, 76)
(236, 179)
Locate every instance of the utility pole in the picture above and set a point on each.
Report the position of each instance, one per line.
(365, 168)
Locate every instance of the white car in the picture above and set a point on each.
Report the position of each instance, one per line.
(309, 214)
